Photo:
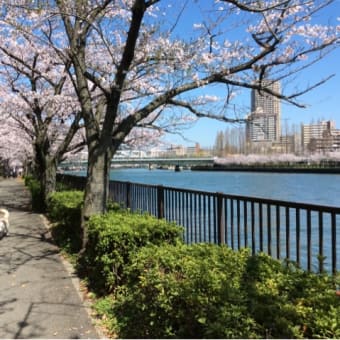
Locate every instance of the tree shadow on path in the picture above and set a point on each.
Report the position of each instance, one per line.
(37, 295)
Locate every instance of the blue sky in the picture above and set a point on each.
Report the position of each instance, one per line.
(322, 103)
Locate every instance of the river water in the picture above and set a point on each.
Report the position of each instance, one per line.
(320, 189)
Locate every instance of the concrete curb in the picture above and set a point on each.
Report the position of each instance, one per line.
(75, 281)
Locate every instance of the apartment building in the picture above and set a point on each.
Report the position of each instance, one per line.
(320, 136)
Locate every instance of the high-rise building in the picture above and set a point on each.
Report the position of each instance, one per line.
(264, 120)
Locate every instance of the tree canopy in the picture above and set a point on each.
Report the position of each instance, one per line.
(137, 68)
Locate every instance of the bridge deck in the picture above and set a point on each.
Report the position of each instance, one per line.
(155, 161)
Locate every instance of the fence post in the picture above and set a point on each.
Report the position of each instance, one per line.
(128, 195)
(220, 223)
(160, 201)
(333, 243)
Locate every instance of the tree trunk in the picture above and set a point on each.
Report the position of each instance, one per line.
(97, 187)
(49, 178)
(46, 172)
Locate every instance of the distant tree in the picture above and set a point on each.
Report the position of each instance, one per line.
(311, 146)
(133, 67)
(234, 140)
(241, 140)
(219, 145)
(231, 141)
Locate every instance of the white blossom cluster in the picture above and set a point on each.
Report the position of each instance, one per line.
(254, 159)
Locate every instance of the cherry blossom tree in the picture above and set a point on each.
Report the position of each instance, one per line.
(132, 66)
(14, 145)
(39, 106)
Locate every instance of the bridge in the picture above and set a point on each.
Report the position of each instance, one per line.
(181, 161)
(125, 161)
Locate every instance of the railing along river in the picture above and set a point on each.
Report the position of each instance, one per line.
(303, 233)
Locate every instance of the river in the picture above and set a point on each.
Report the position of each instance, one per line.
(323, 189)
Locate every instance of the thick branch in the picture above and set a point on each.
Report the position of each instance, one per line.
(63, 147)
(138, 11)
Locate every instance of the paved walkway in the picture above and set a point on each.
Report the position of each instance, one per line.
(38, 297)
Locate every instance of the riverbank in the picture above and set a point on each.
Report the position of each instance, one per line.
(268, 168)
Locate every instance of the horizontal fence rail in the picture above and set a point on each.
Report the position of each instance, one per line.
(304, 233)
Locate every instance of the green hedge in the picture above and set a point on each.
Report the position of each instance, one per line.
(209, 291)
(113, 238)
(36, 193)
(65, 208)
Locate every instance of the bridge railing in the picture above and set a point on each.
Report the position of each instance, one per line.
(183, 161)
(304, 233)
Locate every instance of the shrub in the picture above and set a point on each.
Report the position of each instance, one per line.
(113, 237)
(27, 180)
(184, 292)
(290, 302)
(65, 208)
(60, 186)
(209, 291)
(34, 187)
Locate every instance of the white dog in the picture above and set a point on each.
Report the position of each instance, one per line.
(4, 222)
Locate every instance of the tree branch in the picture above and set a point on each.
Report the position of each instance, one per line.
(199, 114)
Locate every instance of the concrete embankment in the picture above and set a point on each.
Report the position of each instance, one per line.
(304, 170)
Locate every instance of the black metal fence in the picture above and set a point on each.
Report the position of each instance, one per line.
(303, 233)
